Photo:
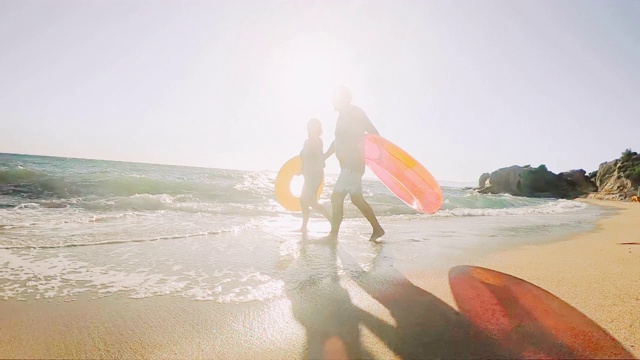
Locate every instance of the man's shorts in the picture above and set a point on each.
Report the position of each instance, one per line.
(349, 182)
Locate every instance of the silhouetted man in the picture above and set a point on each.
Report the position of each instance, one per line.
(351, 127)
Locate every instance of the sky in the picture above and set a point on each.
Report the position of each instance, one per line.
(465, 87)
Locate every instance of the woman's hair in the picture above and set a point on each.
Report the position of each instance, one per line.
(314, 125)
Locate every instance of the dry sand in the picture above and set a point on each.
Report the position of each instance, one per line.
(596, 272)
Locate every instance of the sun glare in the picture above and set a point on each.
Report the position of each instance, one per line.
(306, 69)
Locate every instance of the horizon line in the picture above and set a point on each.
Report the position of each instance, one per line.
(191, 166)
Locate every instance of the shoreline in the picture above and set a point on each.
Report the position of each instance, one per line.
(588, 270)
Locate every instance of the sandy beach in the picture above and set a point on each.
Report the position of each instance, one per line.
(373, 311)
(319, 179)
(596, 272)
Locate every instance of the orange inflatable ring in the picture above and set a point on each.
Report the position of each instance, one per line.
(402, 174)
(284, 196)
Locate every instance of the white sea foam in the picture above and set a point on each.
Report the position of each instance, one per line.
(553, 207)
(31, 275)
(216, 235)
(32, 227)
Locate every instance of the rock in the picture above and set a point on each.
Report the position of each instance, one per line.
(537, 182)
(605, 196)
(505, 180)
(606, 171)
(483, 180)
(579, 181)
(614, 180)
(540, 182)
(619, 179)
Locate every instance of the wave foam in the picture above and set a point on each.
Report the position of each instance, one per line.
(110, 242)
(29, 275)
(554, 207)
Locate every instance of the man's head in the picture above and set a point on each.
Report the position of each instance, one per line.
(341, 98)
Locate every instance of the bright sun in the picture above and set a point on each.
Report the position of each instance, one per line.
(307, 68)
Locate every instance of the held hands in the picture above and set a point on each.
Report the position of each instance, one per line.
(330, 151)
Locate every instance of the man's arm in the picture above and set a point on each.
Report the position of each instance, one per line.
(368, 125)
(330, 151)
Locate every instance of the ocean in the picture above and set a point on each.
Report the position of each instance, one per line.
(102, 228)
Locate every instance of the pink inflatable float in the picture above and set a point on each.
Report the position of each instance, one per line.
(403, 175)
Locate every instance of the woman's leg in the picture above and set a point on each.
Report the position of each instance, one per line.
(321, 209)
(304, 204)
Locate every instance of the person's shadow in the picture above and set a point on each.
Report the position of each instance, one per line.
(322, 305)
(500, 316)
(426, 327)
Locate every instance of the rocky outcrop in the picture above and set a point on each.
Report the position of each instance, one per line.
(579, 181)
(614, 180)
(505, 180)
(537, 182)
(618, 179)
(482, 182)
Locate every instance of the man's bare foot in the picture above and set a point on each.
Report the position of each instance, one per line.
(377, 233)
(331, 238)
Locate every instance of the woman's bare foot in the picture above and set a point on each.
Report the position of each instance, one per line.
(377, 233)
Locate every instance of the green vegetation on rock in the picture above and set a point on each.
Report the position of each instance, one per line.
(629, 166)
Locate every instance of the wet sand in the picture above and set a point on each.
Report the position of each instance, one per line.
(376, 311)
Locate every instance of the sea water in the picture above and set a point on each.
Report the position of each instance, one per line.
(76, 226)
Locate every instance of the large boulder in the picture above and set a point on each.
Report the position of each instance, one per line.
(579, 181)
(619, 179)
(537, 182)
(540, 182)
(505, 180)
(606, 171)
(482, 182)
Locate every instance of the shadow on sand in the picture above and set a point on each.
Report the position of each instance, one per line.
(322, 305)
(426, 327)
(500, 316)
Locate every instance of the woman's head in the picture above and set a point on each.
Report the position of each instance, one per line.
(314, 127)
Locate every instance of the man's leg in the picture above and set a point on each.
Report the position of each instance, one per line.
(366, 210)
(313, 200)
(337, 205)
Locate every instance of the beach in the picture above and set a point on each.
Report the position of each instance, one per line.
(597, 272)
(374, 310)
(319, 180)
